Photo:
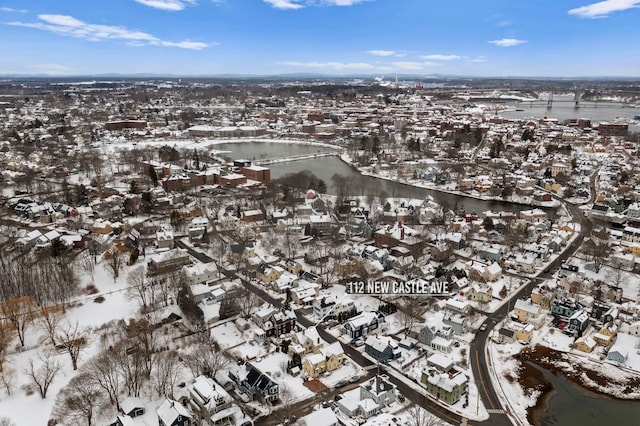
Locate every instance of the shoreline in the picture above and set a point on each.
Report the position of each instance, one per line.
(534, 363)
(448, 191)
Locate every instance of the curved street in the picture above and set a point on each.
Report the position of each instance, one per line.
(480, 366)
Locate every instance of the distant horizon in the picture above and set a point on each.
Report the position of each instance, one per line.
(488, 39)
(388, 78)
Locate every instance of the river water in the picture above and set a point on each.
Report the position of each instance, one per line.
(326, 167)
(563, 108)
(265, 150)
(572, 405)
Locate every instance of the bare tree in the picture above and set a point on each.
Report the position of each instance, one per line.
(203, 359)
(130, 367)
(409, 311)
(6, 334)
(103, 370)
(88, 263)
(20, 312)
(171, 285)
(287, 399)
(73, 338)
(50, 318)
(6, 421)
(168, 372)
(79, 401)
(43, 375)
(141, 289)
(7, 378)
(418, 416)
(115, 261)
(247, 300)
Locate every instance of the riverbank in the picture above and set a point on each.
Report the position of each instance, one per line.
(523, 201)
(603, 379)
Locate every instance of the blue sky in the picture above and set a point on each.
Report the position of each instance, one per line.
(376, 37)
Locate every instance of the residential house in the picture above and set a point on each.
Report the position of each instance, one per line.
(606, 336)
(506, 335)
(534, 215)
(200, 273)
(492, 272)
(167, 262)
(275, 323)
(123, 421)
(436, 334)
(448, 387)
(440, 362)
(308, 339)
(542, 296)
(528, 313)
(380, 390)
(251, 216)
(258, 385)
(579, 322)
(292, 266)
(585, 344)
(132, 407)
(304, 294)
(328, 358)
(382, 349)
(164, 238)
(322, 417)
(479, 292)
(363, 324)
(634, 329)
(563, 309)
(172, 413)
(457, 306)
(522, 333)
(490, 253)
(525, 263)
(207, 398)
(268, 274)
(618, 356)
(457, 322)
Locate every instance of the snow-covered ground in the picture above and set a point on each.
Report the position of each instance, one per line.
(504, 373)
(26, 407)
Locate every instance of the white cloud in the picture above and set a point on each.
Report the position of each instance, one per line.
(342, 2)
(604, 8)
(441, 57)
(507, 42)
(382, 52)
(299, 4)
(408, 65)
(11, 10)
(285, 4)
(52, 68)
(72, 27)
(334, 65)
(192, 45)
(170, 5)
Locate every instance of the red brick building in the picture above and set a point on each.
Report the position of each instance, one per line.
(232, 180)
(257, 173)
(125, 124)
(611, 129)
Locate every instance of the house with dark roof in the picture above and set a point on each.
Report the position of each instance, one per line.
(380, 390)
(172, 413)
(382, 349)
(258, 385)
